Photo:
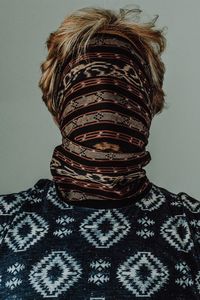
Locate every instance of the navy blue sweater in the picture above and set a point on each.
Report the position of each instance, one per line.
(50, 249)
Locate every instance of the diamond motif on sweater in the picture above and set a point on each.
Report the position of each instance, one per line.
(105, 228)
(27, 229)
(177, 233)
(143, 274)
(55, 273)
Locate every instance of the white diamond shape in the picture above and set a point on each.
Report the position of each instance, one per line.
(91, 231)
(43, 284)
(38, 226)
(145, 285)
(169, 231)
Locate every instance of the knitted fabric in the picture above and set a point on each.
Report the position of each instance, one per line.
(54, 250)
(103, 96)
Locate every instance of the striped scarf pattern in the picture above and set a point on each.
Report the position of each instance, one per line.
(103, 97)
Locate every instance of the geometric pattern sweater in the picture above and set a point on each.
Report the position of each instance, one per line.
(50, 249)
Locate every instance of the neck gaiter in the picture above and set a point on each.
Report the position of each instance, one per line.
(103, 98)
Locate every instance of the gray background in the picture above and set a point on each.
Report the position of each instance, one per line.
(28, 134)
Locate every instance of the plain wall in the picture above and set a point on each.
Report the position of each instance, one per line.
(28, 134)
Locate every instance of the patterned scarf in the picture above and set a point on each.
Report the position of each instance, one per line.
(103, 97)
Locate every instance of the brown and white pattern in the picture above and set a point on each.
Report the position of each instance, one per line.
(103, 97)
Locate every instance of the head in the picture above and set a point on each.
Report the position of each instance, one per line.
(76, 30)
(102, 82)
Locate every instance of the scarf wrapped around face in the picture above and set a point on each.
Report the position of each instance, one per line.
(103, 98)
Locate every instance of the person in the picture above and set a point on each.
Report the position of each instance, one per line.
(99, 228)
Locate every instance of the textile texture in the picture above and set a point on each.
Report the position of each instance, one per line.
(52, 250)
(103, 96)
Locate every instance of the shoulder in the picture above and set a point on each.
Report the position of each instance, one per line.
(178, 211)
(191, 211)
(178, 206)
(11, 203)
(190, 204)
(179, 202)
(14, 203)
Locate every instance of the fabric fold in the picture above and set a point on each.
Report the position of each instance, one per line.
(103, 98)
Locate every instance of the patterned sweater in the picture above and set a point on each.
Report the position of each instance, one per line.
(52, 250)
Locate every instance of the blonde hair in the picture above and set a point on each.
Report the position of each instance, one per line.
(75, 32)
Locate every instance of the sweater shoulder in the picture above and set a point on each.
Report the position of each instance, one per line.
(12, 204)
(190, 204)
(183, 201)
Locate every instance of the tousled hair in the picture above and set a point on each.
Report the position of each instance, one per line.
(77, 29)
